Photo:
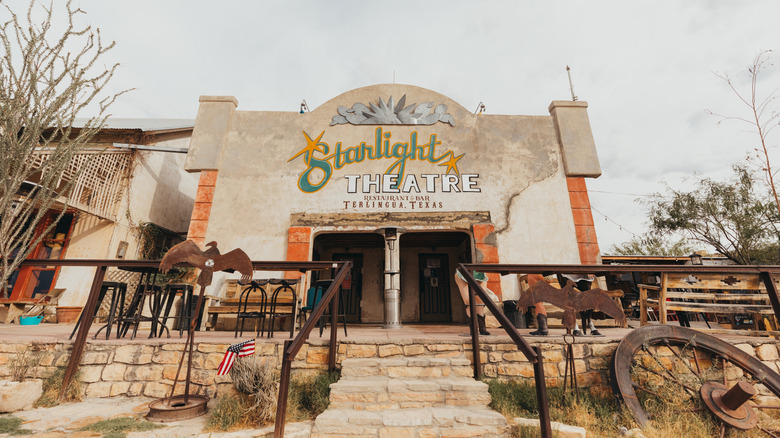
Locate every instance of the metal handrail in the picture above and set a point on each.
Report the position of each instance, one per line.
(292, 346)
(534, 355)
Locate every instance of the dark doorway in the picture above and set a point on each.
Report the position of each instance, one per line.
(351, 287)
(434, 288)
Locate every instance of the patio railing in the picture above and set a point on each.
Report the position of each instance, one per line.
(101, 267)
(331, 296)
(534, 354)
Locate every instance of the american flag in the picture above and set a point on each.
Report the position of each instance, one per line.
(246, 348)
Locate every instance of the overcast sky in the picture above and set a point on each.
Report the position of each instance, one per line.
(646, 69)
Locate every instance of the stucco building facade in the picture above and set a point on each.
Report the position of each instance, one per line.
(136, 176)
(401, 180)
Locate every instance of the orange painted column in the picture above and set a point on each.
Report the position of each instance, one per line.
(487, 252)
(587, 243)
(298, 242)
(201, 211)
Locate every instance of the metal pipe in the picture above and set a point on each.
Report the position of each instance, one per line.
(392, 277)
(541, 395)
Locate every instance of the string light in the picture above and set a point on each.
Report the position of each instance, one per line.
(631, 194)
(609, 219)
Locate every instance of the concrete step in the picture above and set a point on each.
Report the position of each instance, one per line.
(382, 392)
(431, 421)
(409, 367)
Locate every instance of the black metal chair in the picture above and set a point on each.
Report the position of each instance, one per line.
(283, 296)
(313, 297)
(118, 292)
(258, 306)
(326, 318)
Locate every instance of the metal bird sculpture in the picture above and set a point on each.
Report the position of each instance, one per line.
(208, 261)
(571, 300)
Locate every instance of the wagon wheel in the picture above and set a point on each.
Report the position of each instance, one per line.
(706, 373)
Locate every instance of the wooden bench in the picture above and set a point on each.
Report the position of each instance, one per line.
(720, 294)
(15, 308)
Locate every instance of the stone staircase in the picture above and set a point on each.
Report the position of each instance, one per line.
(409, 397)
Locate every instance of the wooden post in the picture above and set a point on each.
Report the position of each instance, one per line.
(662, 300)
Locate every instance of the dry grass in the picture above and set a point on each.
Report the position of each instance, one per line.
(259, 381)
(24, 364)
(51, 389)
(677, 411)
(257, 384)
(672, 414)
(600, 416)
(255, 403)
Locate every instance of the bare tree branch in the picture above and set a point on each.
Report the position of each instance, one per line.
(47, 79)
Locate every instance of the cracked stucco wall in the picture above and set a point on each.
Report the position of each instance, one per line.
(517, 161)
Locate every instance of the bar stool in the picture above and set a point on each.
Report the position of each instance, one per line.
(118, 292)
(134, 314)
(185, 314)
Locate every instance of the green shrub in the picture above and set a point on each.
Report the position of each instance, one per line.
(118, 427)
(228, 413)
(12, 426)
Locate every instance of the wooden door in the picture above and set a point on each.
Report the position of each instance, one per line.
(434, 288)
(30, 282)
(352, 286)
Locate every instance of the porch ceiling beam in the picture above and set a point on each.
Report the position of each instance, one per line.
(150, 148)
(600, 270)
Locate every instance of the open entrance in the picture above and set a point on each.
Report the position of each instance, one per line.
(359, 296)
(427, 263)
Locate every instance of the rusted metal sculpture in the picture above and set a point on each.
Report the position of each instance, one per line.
(180, 407)
(571, 300)
(653, 356)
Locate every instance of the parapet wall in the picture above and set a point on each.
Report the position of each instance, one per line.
(134, 369)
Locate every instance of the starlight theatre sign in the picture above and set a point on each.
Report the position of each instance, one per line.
(394, 188)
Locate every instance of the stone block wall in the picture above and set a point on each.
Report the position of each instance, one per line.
(136, 369)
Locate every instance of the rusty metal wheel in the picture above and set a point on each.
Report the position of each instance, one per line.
(655, 364)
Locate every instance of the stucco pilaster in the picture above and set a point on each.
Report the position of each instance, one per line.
(201, 210)
(487, 252)
(298, 242)
(587, 242)
(578, 149)
(210, 133)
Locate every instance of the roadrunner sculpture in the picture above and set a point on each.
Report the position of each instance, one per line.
(207, 261)
(572, 301)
